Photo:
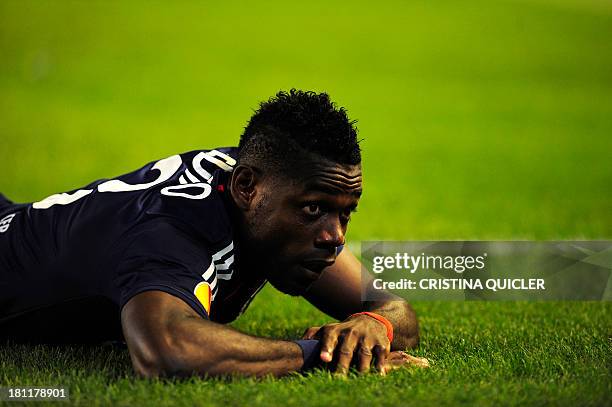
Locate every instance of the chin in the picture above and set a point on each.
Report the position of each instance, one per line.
(292, 290)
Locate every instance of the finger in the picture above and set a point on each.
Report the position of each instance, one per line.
(311, 332)
(365, 358)
(398, 359)
(380, 353)
(329, 340)
(419, 362)
(397, 356)
(395, 360)
(345, 352)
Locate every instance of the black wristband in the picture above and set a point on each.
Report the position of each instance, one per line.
(311, 350)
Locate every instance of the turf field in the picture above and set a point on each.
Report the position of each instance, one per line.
(480, 120)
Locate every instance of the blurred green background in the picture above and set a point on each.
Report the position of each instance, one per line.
(480, 120)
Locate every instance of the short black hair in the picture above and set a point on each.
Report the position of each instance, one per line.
(294, 126)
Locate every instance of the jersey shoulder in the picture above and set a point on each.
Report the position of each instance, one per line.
(182, 242)
(196, 195)
(188, 189)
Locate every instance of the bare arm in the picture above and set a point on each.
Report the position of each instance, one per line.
(166, 337)
(338, 294)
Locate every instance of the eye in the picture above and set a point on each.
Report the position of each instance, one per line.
(312, 210)
(345, 216)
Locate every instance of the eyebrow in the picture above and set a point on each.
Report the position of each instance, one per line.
(327, 189)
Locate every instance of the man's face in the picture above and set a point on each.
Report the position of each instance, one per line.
(297, 224)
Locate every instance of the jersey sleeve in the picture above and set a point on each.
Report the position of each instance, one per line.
(162, 256)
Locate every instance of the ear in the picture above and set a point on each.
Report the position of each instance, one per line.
(242, 186)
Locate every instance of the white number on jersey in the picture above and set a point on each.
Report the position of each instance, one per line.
(6, 222)
(167, 168)
(204, 190)
(61, 199)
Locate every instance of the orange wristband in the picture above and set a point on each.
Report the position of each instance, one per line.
(381, 319)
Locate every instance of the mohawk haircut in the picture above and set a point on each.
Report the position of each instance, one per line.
(297, 127)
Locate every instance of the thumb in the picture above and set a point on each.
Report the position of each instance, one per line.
(326, 355)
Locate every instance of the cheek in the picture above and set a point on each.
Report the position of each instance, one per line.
(287, 239)
(280, 229)
(282, 225)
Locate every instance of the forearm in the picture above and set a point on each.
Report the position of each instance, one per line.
(402, 317)
(207, 348)
(167, 338)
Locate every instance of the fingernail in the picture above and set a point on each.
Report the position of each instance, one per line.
(326, 356)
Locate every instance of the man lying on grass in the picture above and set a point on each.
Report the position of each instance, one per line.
(164, 256)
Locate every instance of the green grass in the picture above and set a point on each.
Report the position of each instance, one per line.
(482, 353)
(480, 120)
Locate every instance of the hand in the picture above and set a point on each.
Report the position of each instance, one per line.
(360, 337)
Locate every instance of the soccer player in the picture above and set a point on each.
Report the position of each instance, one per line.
(163, 256)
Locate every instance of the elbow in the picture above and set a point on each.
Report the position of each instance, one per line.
(151, 362)
(166, 360)
(148, 369)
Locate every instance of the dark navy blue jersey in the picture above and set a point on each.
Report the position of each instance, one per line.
(163, 227)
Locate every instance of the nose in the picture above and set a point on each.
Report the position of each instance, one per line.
(330, 236)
